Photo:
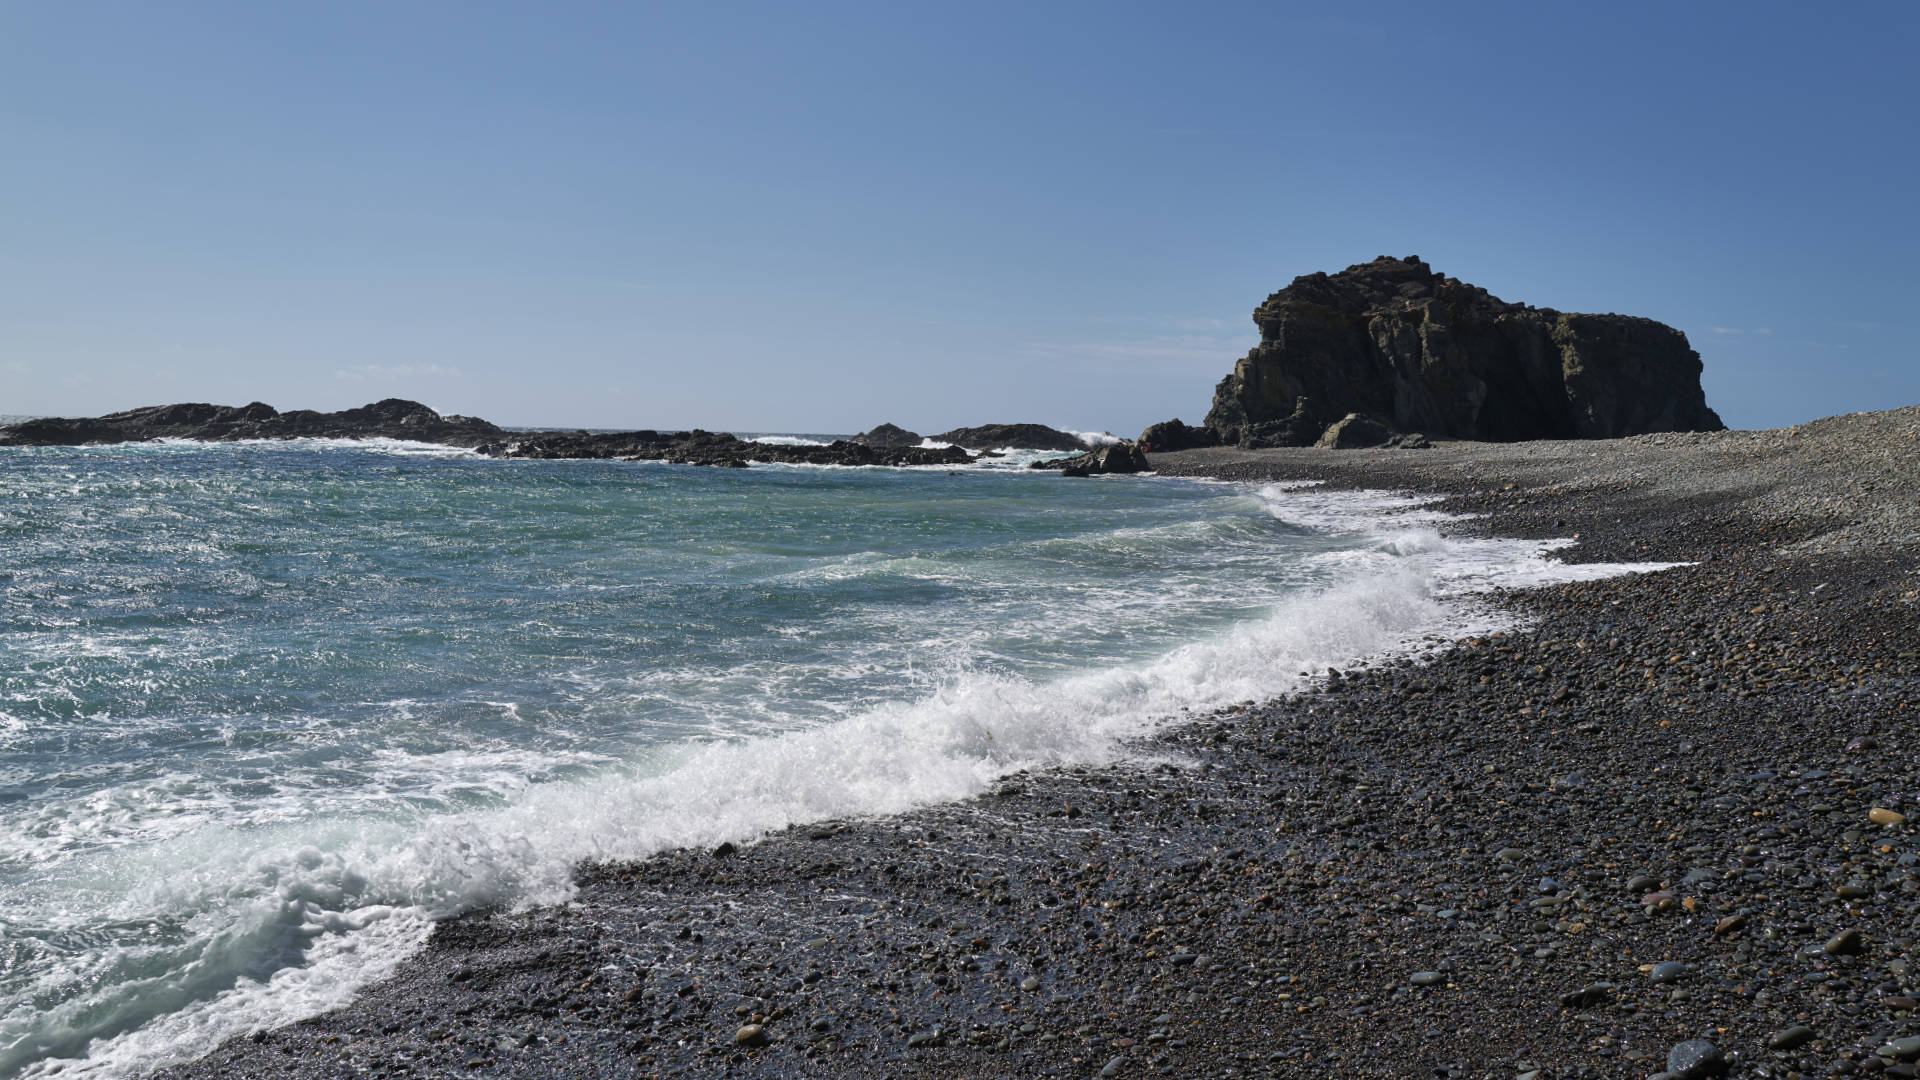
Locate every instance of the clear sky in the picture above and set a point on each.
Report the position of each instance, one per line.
(821, 216)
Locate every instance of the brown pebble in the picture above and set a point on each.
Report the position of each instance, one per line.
(1880, 815)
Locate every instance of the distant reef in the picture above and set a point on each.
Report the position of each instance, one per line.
(1389, 353)
(396, 418)
(984, 437)
(1024, 436)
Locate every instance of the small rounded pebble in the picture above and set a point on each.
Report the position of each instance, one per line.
(1845, 943)
(1792, 1038)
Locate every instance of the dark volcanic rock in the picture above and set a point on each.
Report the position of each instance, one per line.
(887, 435)
(393, 418)
(1421, 352)
(1115, 458)
(1170, 435)
(1024, 436)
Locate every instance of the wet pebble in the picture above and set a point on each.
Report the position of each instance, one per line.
(1791, 1038)
(1845, 943)
(1667, 971)
(1695, 1058)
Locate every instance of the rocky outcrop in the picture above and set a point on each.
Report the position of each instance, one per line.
(1170, 435)
(1420, 352)
(887, 435)
(1021, 436)
(393, 418)
(1123, 457)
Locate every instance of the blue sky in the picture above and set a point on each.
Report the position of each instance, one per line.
(823, 216)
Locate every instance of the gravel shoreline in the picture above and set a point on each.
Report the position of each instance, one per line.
(1648, 824)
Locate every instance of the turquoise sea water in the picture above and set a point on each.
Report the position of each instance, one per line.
(267, 709)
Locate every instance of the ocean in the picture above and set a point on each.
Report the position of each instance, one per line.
(267, 710)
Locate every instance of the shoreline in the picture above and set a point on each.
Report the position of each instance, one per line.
(1352, 879)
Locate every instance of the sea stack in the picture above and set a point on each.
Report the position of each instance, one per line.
(1419, 352)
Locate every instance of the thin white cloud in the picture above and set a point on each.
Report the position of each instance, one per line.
(389, 372)
(1728, 330)
(16, 367)
(1763, 330)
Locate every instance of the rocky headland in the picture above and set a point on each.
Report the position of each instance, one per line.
(1666, 826)
(1396, 354)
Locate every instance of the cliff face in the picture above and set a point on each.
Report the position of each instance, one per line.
(1420, 352)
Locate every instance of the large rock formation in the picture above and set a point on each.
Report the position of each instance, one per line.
(1419, 352)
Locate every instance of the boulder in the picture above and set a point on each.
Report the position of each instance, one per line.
(1422, 352)
(887, 435)
(1170, 435)
(1022, 436)
(1357, 430)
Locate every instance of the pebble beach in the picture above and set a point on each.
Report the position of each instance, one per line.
(1669, 824)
